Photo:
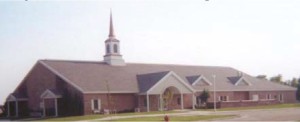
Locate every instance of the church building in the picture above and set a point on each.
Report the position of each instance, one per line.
(65, 88)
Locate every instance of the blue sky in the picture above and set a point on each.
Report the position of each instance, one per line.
(254, 36)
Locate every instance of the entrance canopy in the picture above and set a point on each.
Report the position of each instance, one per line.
(16, 97)
(50, 93)
(157, 83)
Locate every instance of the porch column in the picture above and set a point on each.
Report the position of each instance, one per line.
(17, 109)
(193, 100)
(148, 106)
(44, 108)
(8, 111)
(181, 96)
(56, 111)
(161, 102)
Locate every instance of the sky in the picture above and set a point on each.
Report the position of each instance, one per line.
(253, 36)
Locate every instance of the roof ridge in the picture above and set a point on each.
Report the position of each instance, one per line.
(193, 65)
(74, 61)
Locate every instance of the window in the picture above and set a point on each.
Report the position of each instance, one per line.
(115, 48)
(178, 101)
(223, 98)
(281, 97)
(107, 48)
(268, 96)
(96, 104)
(145, 102)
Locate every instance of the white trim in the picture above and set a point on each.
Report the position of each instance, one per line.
(199, 80)
(92, 104)
(11, 98)
(61, 76)
(98, 102)
(47, 91)
(176, 76)
(243, 79)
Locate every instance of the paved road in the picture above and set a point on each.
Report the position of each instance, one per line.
(284, 114)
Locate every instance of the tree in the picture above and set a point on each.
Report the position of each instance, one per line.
(294, 82)
(277, 79)
(261, 76)
(204, 96)
(298, 90)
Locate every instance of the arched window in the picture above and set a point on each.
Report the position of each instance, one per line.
(107, 48)
(115, 48)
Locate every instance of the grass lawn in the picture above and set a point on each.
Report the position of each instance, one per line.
(98, 116)
(261, 107)
(176, 118)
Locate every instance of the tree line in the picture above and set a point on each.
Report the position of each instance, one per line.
(278, 79)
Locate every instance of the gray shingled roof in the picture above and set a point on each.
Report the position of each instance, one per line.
(135, 78)
(146, 81)
(192, 79)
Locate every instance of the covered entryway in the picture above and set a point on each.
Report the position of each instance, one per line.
(16, 105)
(164, 90)
(50, 102)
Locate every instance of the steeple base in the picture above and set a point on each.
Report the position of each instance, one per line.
(114, 60)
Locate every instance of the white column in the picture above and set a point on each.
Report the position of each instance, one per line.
(181, 96)
(193, 100)
(161, 102)
(148, 106)
(8, 107)
(215, 105)
(17, 109)
(56, 109)
(44, 108)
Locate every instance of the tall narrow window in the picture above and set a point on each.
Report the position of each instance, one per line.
(115, 48)
(281, 97)
(107, 48)
(96, 104)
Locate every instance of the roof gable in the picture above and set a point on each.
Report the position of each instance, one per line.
(198, 80)
(240, 81)
(16, 97)
(165, 82)
(49, 93)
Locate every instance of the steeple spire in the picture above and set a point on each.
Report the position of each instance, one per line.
(111, 26)
(113, 56)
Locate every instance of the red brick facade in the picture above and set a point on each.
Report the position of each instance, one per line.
(75, 102)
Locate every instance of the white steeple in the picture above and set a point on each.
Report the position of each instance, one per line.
(112, 48)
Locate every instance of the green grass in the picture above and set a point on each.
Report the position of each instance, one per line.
(262, 107)
(99, 116)
(176, 118)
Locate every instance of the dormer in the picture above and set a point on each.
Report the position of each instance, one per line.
(239, 81)
(198, 80)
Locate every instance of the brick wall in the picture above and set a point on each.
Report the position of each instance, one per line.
(120, 102)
